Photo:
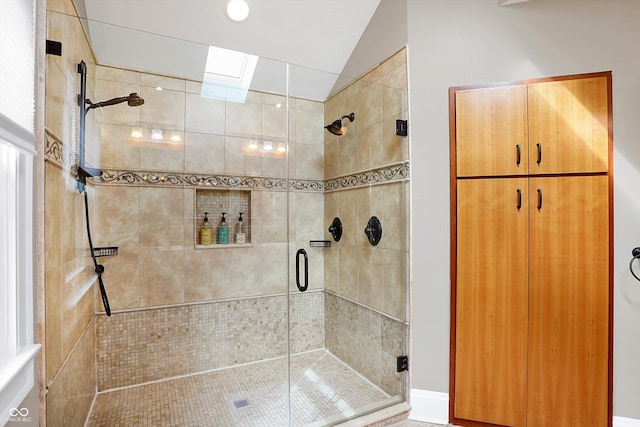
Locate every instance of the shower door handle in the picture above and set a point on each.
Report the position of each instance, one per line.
(304, 287)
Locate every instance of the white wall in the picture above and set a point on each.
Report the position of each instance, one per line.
(462, 42)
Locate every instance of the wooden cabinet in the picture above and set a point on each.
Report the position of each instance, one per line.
(531, 258)
(550, 127)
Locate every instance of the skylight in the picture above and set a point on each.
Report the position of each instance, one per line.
(228, 74)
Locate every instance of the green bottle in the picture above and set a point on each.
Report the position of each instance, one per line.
(223, 231)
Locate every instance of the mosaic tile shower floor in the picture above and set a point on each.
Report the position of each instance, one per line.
(254, 395)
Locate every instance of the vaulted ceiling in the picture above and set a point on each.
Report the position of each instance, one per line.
(172, 37)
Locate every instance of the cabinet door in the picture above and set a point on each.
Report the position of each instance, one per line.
(569, 126)
(491, 301)
(569, 302)
(491, 131)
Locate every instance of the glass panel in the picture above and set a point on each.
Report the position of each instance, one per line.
(215, 319)
(365, 175)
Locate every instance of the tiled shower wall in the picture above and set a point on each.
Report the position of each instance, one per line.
(147, 345)
(146, 203)
(367, 174)
(69, 339)
(179, 309)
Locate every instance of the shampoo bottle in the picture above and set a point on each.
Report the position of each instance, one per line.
(241, 236)
(206, 231)
(223, 231)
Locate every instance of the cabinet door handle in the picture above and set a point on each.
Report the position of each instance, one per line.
(519, 205)
(518, 154)
(539, 153)
(539, 199)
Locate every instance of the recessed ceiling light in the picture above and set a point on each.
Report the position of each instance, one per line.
(237, 10)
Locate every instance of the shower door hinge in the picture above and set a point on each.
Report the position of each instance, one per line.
(401, 127)
(53, 47)
(403, 363)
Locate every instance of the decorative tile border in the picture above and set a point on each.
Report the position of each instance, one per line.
(382, 175)
(55, 151)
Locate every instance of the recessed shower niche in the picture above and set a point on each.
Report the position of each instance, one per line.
(234, 204)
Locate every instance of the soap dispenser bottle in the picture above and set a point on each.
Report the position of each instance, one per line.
(223, 231)
(241, 236)
(206, 232)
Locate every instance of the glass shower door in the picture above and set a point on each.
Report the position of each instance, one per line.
(348, 214)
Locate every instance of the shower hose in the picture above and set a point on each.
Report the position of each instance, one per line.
(99, 269)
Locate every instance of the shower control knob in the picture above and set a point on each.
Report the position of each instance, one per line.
(336, 229)
(373, 230)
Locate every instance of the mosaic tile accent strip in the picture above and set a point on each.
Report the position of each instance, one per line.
(322, 388)
(392, 173)
(147, 345)
(366, 340)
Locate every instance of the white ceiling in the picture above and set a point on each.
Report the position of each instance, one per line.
(172, 37)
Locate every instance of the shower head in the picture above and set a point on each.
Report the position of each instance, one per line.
(133, 100)
(336, 127)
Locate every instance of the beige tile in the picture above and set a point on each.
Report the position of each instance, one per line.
(396, 60)
(239, 159)
(349, 153)
(394, 102)
(162, 155)
(116, 219)
(275, 118)
(348, 213)
(77, 298)
(161, 275)
(163, 109)
(331, 157)
(369, 104)
(242, 277)
(348, 271)
(53, 325)
(117, 75)
(204, 115)
(394, 282)
(155, 81)
(121, 278)
(392, 217)
(54, 90)
(53, 201)
(70, 223)
(273, 212)
(204, 277)
(309, 162)
(161, 216)
(369, 278)
(118, 149)
(371, 152)
(396, 78)
(274, 268)
(244, 120)
(309, 127)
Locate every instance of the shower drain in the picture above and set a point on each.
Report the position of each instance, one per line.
(241, 403)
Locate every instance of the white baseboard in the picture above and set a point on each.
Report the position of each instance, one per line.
(625, 422)
(433, 407)
(430, 406)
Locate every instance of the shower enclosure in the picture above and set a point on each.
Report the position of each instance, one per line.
(279, 322)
